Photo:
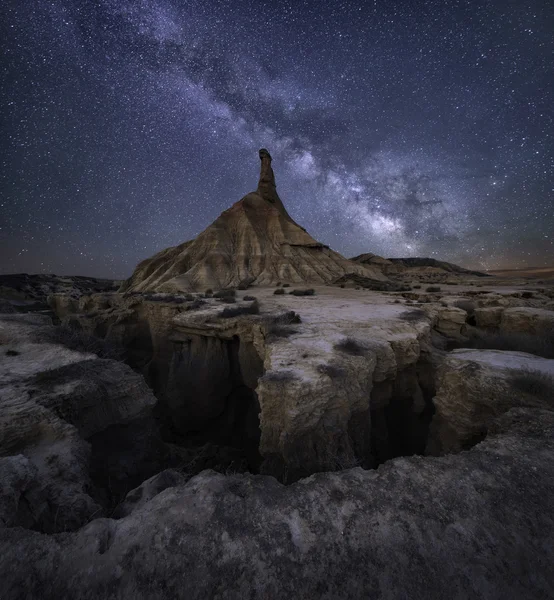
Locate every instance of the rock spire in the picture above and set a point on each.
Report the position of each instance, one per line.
(266, 186)
(254, 241)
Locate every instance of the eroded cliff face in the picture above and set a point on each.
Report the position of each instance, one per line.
(76, 431)
(352, 382)
(347, 385)
(474, 387)
(456, 449)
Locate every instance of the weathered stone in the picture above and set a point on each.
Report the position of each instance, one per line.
(479, 523)
(527, 320)
(255, 240)
(53, 403)
(488, 317)
(474, 387)
(450, 320)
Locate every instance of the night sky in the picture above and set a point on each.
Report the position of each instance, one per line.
(399, 128)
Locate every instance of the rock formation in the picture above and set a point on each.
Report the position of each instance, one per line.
(21, 292)
(255, 241)
(67, 421)
(476, 386)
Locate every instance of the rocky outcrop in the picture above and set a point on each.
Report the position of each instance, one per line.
(527, 320)
(480, 523)
(450, 321)
(298, 397)
(60, 410)
(253, 242)
(314, 382)
(476, 386)
(488, 317)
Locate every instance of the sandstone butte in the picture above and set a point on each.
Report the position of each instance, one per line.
(255, 242)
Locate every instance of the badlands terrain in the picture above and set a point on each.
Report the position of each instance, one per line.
(252, 415)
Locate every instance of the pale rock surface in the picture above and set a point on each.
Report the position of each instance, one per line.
(314, 399)
(254, 241)
(474, 387)
(51, 399)
(450, 321)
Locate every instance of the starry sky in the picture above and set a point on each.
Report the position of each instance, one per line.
(405, 128)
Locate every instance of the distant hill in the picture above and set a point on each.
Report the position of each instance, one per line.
(438, 264)
(531, 272)
(420, 268)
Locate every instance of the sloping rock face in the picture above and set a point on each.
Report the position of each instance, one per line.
(61, 413)
(472, 525)
(255, 241)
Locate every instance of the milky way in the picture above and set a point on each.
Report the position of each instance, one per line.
(399, 128)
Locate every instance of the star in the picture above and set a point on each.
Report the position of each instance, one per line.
(399, 129)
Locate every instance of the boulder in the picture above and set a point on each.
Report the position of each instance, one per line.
(450, 320)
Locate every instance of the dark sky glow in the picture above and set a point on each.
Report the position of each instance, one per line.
(402, 128)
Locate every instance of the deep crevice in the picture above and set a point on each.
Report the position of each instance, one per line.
(205, 403)
(401, 414)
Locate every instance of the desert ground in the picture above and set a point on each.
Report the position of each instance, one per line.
(324, 444)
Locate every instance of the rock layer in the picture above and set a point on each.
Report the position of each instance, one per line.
(476, 386)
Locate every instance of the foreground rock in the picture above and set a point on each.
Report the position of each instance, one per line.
(480, 523)
(62, 414)
(299, 395)
(535, 321)
(476, 386)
